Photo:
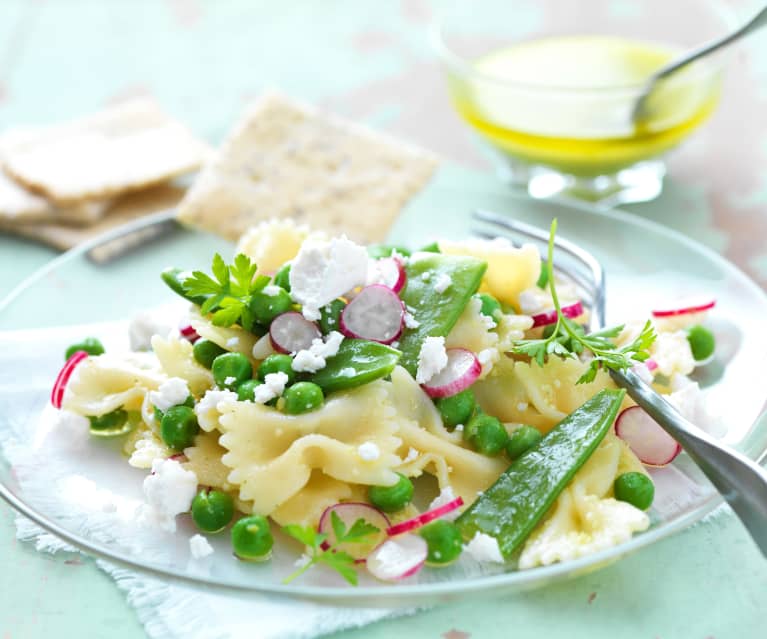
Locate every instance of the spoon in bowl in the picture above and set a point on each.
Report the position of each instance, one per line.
(640, 111)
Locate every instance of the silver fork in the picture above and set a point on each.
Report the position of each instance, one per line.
(741, 481)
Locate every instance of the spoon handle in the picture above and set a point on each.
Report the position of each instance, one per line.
(742, 482)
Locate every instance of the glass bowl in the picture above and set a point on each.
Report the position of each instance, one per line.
(65, 485)
(548, 86)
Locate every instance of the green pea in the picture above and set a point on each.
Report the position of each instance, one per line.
(179, 427)
(212, 510)
(231, 369)
(635, 488)
(486, 433)
(433, 247)
(392, 498)
(110, 424)
(251, 538)
(282, 277)
(205, 352)
(90, 345)
(702, 342)
(277, 364)
(377, 251)
(158, 414)
(247, 390)
(543, 278)
(444, 541)
(456, 409)
(266, 307)
(330, 314)
(522, 440)
(302, 398)
(491, 307)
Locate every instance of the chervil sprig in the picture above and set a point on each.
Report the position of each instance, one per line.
(568, 339)
(341, 562)
(228, 296)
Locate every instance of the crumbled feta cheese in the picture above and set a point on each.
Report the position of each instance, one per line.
(394, 344)
(368, 451)
(312, 359)
(228, 381)
(172, 392)
(426, 276)
(168, 491)
(162, 321)
(411, 322)
(347, 372)
(445, 496)
(412, 455)
(432, 359)
(443, 282)
(233, 342)
(458, 428)
(263, 348)
(325, 270)
(483, 547)
(199, 547)
(271, 290)
(146, 450)
(207, 410)
(671, 351)
(522, 406)
(487, 358)
(273, 386)
(533, 300)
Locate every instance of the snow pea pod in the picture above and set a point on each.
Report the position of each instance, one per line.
(172, 276)
(515, 503)
(357, 362)
(436, 312)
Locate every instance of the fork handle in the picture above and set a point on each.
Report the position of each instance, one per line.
(741, 481)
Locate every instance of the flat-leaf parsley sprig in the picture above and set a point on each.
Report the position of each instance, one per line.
(568, 339)
(229, 294)
(340, 561)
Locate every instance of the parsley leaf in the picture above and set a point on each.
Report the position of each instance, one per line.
(229, 295)
(568, 339)
(340, 561)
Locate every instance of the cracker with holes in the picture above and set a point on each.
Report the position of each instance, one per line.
(287, 160)
(124, 148)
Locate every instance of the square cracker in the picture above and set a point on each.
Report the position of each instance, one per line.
(286, 159)
(123, 148)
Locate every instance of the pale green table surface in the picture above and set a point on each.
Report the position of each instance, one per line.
(204, 61)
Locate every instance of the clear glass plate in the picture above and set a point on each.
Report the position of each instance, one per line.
(644, 262)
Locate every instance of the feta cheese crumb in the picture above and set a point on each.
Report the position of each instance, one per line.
(273, 386)
(426, 276)
(533, 300)
(412, 455)
(199, 547)
(271, 290)
(231, 379)
(347, 372)
(432, 359)
(172, 392)
(411, 322)
(314, 358)
(443, 282)
(445, 496)
(458, 428)
(233, 342)
(162, 321)
(146, 450)
(484, 548)
(168, 491)
(671, 351)
(207, 410)
(522, 406)
(368, 451)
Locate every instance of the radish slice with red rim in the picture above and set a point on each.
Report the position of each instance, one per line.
(688, 306)
(399, 558)
(410, 525)
(57, 392)
(188, 333)
(350, 512)
(291, 332)
(570, 311)
(653, 445)
(460, 372)
(389, 271)
(376, 314)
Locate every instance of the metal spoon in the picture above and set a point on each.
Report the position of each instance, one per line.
(640, 111)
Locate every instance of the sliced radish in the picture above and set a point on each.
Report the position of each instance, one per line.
(461, 371)
(410, 525)
(653, 445)
(350, 512)
(398, 558)
(688, 306)
(651, 364)
(292, 332)
(376, 313)
(389, 271)
(570, 311)
(57, 392)
(189, 333)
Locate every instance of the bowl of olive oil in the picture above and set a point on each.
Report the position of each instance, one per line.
(549, 87)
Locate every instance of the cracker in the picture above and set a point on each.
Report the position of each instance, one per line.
(123, 148)
(126, 209)
(287, 160)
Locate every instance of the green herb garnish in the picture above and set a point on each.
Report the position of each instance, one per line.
(228, 296)
(568, 339)
(341, 562)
